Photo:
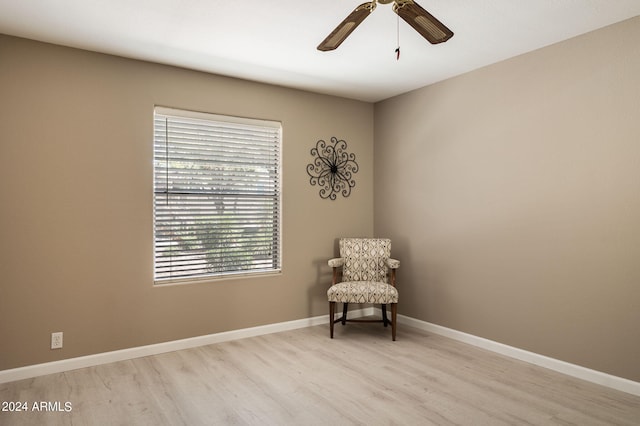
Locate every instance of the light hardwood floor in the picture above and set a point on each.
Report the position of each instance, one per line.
(302, 377)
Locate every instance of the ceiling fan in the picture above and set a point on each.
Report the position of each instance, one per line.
(421, 20)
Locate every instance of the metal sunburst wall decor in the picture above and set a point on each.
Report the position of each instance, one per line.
(332, 168)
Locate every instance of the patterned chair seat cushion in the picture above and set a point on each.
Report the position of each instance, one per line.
(363, 292)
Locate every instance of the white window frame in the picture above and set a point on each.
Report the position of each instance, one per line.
(217, 183)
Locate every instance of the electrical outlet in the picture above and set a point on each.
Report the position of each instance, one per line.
(56, 340)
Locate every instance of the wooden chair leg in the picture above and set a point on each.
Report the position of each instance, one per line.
(385, 320)
(394, 314)
(344, 313)
(332, 310)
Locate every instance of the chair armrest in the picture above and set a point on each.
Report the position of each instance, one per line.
(336, 262)
(393, 263)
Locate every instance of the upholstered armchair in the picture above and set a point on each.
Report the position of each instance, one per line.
(368, 276)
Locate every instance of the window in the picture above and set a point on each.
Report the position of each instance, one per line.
(216, 195)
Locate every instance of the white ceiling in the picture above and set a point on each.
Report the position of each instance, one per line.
(275, 41)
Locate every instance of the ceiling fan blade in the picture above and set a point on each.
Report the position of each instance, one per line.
(422, 21)
(347, 26)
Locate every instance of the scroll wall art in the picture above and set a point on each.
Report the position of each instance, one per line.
(332, 168)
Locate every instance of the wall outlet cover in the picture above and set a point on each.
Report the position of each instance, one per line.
(56, 340)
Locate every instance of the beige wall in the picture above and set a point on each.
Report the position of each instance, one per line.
(512, 194)
(76, 247)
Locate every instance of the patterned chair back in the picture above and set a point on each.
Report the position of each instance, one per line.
(365, 259)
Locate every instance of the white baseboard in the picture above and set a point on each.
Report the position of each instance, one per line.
(614, 382)
(594, 376)
(159, 348)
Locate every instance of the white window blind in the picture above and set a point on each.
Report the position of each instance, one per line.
(216, 195)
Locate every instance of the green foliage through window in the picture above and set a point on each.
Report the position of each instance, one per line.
(216, 195)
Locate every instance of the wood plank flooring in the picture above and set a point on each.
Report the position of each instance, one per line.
(301, 377)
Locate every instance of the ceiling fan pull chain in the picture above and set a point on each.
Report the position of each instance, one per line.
(398, 37)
